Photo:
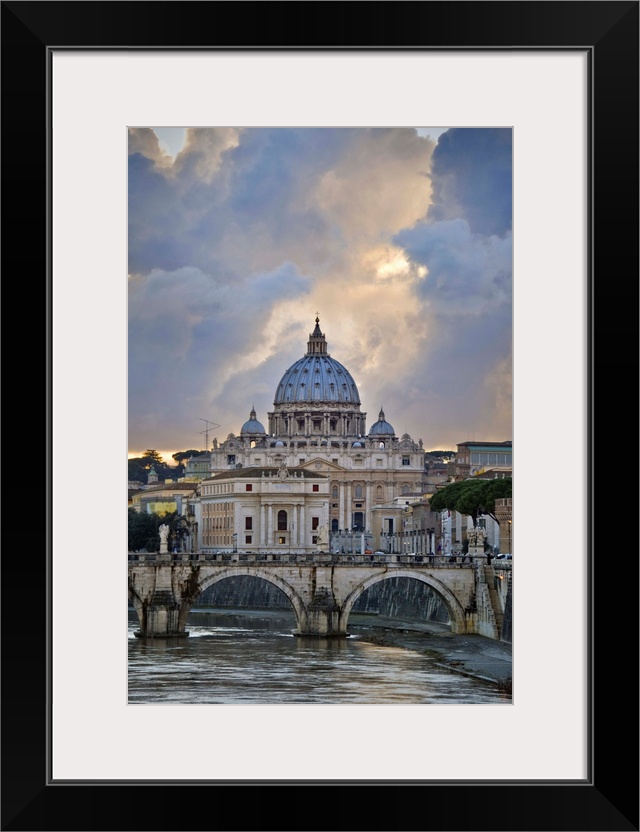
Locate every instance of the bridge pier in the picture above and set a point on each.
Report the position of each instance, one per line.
(162, 614)
(322, 617)
(162, 618)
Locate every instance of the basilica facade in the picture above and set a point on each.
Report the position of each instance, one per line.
(316, 434)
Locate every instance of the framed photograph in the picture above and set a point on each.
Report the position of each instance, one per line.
(563, 78)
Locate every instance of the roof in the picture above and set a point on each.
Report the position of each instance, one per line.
(252, 425)
(270, 471)
(381, 427)
(488, 446)
(316, 377)
(170, 486)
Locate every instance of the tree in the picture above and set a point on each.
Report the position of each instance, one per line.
(138, 472)
(181, 456)
(140, 466)
(143, 531)
(440, 454)
(472, 497)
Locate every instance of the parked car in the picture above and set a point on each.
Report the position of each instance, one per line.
(504, 556)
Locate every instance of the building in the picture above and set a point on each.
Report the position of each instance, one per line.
(473, 458)
(266, 508)
(197, 467)
(165, 498)
(503, 512)
(317, 427)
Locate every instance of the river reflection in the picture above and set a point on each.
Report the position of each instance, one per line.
(251, 657)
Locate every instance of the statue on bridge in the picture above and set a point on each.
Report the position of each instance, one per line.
(163, 531)
(322, 537)
(476, 537)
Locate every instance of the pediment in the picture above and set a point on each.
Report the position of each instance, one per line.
(320, 465)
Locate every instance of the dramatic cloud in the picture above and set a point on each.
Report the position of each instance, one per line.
(237, 241)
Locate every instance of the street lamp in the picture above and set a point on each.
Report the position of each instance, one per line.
(235, 542)
(509, 530)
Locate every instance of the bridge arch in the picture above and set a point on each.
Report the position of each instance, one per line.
(454, 608)
(236, 571)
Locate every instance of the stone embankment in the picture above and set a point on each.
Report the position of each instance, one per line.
(470, 655)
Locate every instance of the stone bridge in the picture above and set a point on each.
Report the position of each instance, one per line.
(322, 588)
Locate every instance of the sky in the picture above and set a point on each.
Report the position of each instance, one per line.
(400, 239)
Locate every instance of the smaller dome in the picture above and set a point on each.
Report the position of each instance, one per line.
(252, 425)
(357, 445)
(279, 444)
(382, 427)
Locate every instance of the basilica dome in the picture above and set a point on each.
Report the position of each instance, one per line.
(252, 426)
(316, 377)
(382, 427)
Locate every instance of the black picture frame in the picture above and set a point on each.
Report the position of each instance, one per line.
(608, 799)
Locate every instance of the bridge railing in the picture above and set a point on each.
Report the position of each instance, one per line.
(319, 558)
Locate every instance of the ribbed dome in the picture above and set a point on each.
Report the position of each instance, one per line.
(382, 427)
(317, 377)
(252, 425)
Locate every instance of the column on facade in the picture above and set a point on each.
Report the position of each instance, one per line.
(341, 502)
(368, 496)
(263, 529)
(349, 506)
(269, 540)
(301, 526)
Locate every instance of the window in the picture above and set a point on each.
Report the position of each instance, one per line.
(334, 505)
(282, 540)
(315, 522)
(406, 460)
(314, 539)
(248, 487)
(358, 505)
(358, 492)
(334, 492)
(315, 487)
(335, 461)
(248, 523)
(379, 463)
(248, 538)
(282, 522)
(231, 459)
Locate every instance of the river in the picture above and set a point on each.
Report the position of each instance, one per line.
(252, 657)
